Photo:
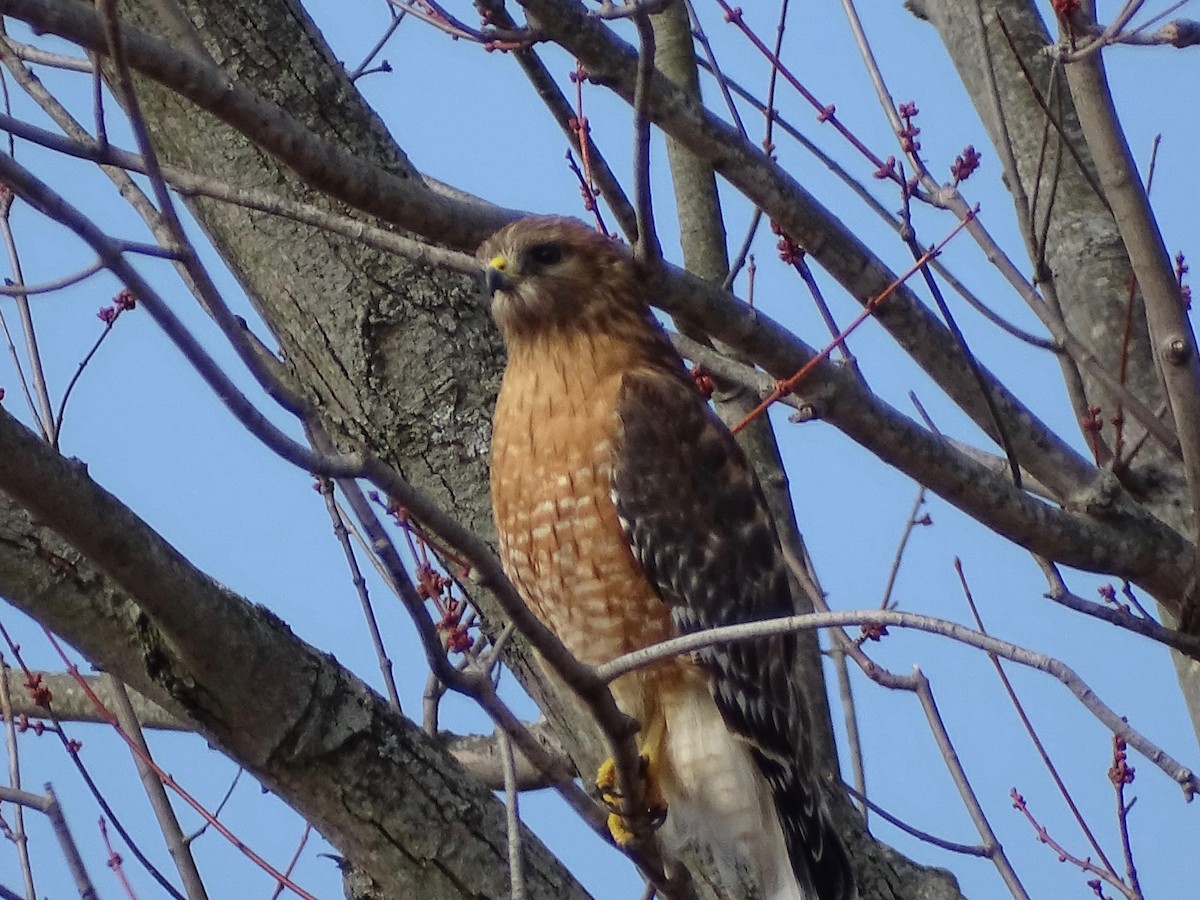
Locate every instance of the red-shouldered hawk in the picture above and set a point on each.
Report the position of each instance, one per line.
(627, 515)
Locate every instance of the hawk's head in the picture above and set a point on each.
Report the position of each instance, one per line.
(548, 273)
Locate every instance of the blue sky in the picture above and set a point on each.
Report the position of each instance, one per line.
(154, 435)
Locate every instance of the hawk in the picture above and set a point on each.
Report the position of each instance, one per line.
(627, 515)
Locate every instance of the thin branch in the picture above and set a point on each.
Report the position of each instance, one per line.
(516, 864)
(360, 69)
(638, 659)
(805, 272)
(648, 250)
(1186, 644)
(1179, 34)
(168, 822)
(910, 525)
(934, 840)
(57, 284)
(39, 57)
(965, 790)
(712, 66)
(283, 882)
(1064, 855)
(853, 734)
(360, 588)
(1121, 774)
(1029, 729)
(117, 310)
(19, 836)
(44, 411)
(225, 798)
(47, 804)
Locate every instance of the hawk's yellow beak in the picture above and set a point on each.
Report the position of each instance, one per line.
(497, 276)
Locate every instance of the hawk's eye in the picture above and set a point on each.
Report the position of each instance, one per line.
(545, 254)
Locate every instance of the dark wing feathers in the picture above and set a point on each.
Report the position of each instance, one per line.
(699, 526)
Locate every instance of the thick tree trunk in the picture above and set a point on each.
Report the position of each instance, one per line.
(403, 360)
(388, 796)
(396, 357)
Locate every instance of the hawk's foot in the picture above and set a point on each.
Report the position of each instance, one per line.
(654, 806)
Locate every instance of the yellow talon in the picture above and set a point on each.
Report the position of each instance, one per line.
(654, 805)
(606, 778)
(620, 833)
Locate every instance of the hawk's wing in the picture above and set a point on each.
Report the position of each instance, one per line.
(698, 524)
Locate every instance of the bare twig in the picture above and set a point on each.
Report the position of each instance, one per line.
(109, 316)
(648, 250)
(1179, 773)
(853, 735)
(1029, 729)
(1121, 774)
(115, 861)
(168, 822)
(952, 846)
(361, 69)
(19, 836)
(885, 602)
(965, 790)
(44, 411)
(360, 588)
(282, 883)
(39, 57)
(225, 798)
(56, 284)
(1186, 644)
(1064, 855)
(48, 805)
(516, 865)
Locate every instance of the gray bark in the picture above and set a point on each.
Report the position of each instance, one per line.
(403, 360)
(388, 796)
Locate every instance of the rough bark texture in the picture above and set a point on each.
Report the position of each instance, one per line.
(398, 358)
(404, 361)
(390, 352)
(383, 792)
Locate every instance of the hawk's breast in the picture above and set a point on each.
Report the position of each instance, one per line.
(560, 539)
